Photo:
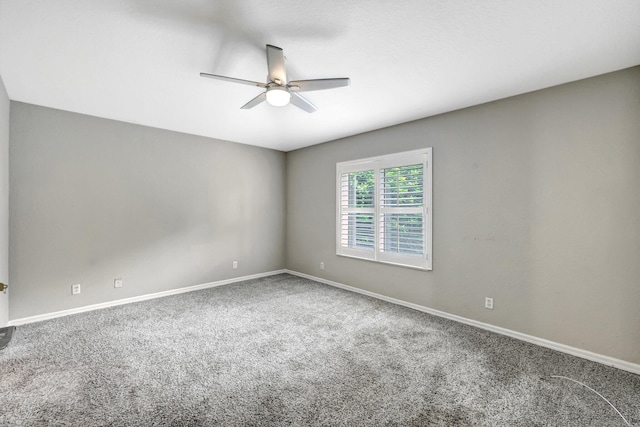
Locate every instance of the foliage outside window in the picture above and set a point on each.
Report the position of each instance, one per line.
(384, 209)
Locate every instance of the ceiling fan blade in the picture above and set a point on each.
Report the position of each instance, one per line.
(233, 80)
(318, 84)
(302, 103)
(275, 64)
(255, 101)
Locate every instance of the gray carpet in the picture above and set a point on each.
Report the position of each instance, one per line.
(288, 351)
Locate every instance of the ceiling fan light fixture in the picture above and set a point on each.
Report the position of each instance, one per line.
(278, 96)
(279, 91)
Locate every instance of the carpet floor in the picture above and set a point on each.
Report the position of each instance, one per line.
(283, 350)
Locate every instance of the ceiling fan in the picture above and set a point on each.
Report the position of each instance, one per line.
(279, 91)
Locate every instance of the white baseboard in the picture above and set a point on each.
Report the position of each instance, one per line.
(595, 357)
(46, 316)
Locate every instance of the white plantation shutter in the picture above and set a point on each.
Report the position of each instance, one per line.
(402, 234)
(401, 196)
(357, 212)
(384, 209)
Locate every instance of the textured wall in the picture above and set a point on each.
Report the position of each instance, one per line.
(94, 199)
(4, 201)
(536, 202)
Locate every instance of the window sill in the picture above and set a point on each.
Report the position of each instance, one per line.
(413, 267)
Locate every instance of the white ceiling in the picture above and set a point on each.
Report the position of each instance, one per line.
(139, 61)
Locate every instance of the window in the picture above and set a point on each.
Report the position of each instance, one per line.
(384, 209)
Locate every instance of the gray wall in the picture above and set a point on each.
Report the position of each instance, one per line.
(4, 201)
(536, 204)
(92, 200)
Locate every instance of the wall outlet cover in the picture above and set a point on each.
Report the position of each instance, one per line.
(488, 303)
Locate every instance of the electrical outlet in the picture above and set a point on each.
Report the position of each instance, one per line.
(117, 283)
(75, 289)
(488, 303)
(322, 266)
(235, 264)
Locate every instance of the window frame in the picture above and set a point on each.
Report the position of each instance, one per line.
(377, 164)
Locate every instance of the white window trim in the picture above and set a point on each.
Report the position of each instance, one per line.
(377, 163)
